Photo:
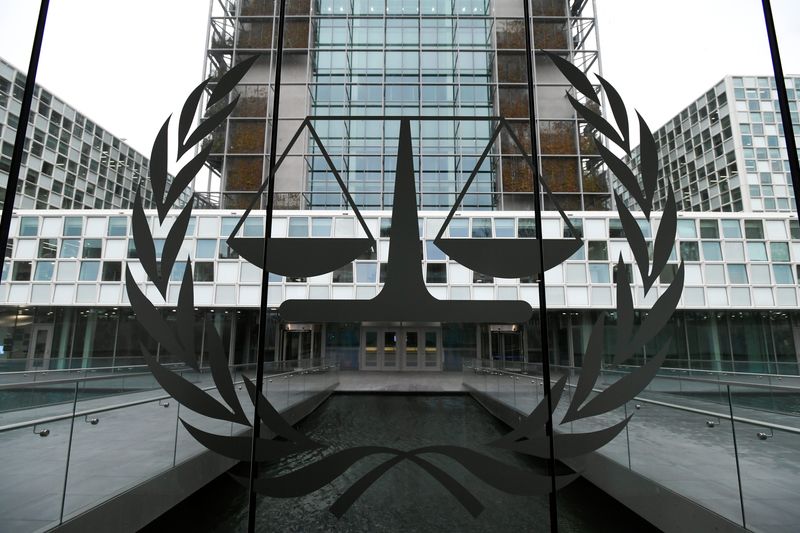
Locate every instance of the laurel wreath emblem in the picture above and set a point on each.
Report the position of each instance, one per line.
(528, 437)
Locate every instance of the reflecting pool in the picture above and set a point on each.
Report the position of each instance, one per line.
(406, 498)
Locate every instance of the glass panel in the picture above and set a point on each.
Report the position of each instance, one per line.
(371, 349)
(412, 349)
(431, 349)
(389, 349)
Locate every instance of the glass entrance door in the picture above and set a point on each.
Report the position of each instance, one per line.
(40, 346)
(401, 349)
(507, 349)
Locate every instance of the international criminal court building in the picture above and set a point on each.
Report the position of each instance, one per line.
(419, 196)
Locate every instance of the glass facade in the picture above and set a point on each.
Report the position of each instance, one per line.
(69, 162)
(726, 151)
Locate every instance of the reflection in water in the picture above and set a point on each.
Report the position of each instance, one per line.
(406, 498)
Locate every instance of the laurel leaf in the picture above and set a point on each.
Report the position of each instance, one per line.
(149, 317)
(534, 423)
(314, 476)
(622, 172)
(649, 164)
(185, 392)
(635, 238)
(619, 110)
(238, 448)
(158, 165)
(597, 121)
(186, 175)
(231, 79)
(624, 311)
(188, 113)
(659, 314)
(354, 491)
(566, 445)
(625, 389)
(221, 375)
(665, 239)
(590, 370)
(185, 318)
(143, 240)
(172, 245)
(574, 75)
(273, 420)
(211, 123)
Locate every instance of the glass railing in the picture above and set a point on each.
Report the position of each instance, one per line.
(72, 454)
(730, 446)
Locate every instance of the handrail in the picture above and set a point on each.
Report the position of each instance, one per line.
(750, 421)
(23, 384)
(686, 378)
(57, 418)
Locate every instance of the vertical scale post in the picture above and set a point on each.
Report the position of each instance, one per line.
(22, 128)
(783, 102)
(263, 314)
(537, 207)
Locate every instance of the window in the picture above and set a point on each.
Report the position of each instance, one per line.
(598, 251)
(686, 229)
(253, 227)
(89, 271)
(779, 251)
(709, 229)
(731, 229)
(117, 226)
(459, 228)
(366, 272)
(711, 251)
(760, 274)
(482, 227)
(577, 224)
(132, 249)
(48, 248)
(477, 277)
(628, 273)
(178, 270)
(44, 271)
(794, 229)
(320, 227)
(204, 271)
(343, 274)
(386, 226)
(690, 251)
(70, 247)
(91, 248)
(753, 229)
(433, 252)
(22, 271)
(436, 273)
(598, 273)
(226, 252)
(737, 273)
(668, 274)
(298, 227)
(757, 251)
(615, 230)
(29, 226)
(715, 274)
(504, 227)
(527, 228)
(205, 248)
(73, 226)
(112, 271)
(783, 274)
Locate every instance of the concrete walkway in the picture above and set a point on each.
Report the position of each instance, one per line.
(378, 381)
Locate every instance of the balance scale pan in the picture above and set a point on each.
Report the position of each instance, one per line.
(508, 258)
(300, 257)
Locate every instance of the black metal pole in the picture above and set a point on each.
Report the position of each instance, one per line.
(22, 128)
(537, 208)
(263, 314)
(783, 101)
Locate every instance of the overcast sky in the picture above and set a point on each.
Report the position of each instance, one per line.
(128, 64)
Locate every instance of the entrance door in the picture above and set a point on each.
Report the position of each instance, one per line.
(298, 346)
(401, 349)
(40, 346)
(507, 349)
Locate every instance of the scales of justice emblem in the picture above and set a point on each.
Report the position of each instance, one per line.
(404, 298)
